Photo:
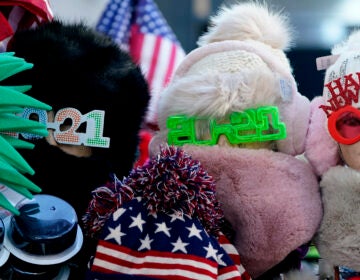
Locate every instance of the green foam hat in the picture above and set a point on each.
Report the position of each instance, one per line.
(13, 100)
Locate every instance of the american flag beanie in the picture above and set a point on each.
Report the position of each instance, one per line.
(163, 221)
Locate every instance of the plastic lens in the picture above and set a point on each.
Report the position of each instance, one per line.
(344, 125)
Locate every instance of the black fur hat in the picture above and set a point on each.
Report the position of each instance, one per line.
(74, 66)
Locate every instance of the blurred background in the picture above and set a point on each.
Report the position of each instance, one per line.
(317, 25)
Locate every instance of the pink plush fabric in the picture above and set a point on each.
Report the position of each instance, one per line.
(295, 108)
(320, 149)
(271, 199)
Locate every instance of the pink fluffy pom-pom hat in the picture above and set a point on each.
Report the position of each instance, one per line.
(240, 64)
(270, 197)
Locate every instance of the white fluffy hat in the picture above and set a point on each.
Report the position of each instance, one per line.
(240, 64)
(344, 61)
(347, 62)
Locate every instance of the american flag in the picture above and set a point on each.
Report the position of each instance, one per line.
(21, 14)
(139, 27)
(137, 245)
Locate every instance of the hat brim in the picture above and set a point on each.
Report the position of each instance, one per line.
(46, 259)
(4, 255)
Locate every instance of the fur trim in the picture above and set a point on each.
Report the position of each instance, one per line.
(75, 66)
(218, 94)
(274, 209)
(318, 140)
(296, 116)
(338, 239)
(249, 21)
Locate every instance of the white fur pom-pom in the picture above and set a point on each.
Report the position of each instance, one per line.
(249, 21)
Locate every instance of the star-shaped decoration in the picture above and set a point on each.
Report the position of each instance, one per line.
(219, 259)
(161, 227)
(137, 222)
(211, 252)
(145, 243)
(179, 245)
(194, 231)
(115, 233)
(117, 214)
(177, 216)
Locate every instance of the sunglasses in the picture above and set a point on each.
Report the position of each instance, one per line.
(344, 125)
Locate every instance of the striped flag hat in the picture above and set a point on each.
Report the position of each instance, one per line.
(161, 222)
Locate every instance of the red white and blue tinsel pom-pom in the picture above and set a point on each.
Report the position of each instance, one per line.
(105, 200)
(170, 182)
(174, 182)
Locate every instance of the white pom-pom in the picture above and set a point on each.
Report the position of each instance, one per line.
(249, 21)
